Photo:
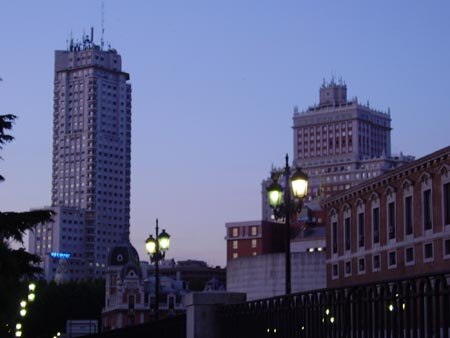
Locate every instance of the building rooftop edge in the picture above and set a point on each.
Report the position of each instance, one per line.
(417, 163)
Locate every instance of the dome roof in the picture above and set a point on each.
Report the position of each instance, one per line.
(123, 254)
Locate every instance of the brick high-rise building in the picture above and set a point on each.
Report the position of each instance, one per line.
(91, 161)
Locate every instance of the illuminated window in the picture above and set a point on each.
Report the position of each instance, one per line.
(254, 243)
(235, 255)
(235, 244)
(235, 232)
(254, 231)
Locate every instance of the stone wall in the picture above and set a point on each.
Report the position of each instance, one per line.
(264, 276)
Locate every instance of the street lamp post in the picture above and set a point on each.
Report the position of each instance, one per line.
(156, 249)
(284, 202)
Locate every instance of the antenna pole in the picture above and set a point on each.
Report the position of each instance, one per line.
(103, 23)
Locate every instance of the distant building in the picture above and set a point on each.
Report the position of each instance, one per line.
(253, 238)
(341, 142)
(396, 225)
(130, 298)
(193, 274)
(125, 297)
(91, 161)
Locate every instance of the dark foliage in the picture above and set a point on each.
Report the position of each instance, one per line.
(55, 304)
(15, 264)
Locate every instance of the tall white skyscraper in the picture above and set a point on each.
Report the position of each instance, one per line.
(91, 162)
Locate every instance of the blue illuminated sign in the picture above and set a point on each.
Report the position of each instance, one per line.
(60, 255)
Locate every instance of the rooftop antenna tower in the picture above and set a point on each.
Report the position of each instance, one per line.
(103, 25)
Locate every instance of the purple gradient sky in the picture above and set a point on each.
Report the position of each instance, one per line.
(214, 85)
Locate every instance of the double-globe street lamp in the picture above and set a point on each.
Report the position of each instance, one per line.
(285, 201)
(156, 249)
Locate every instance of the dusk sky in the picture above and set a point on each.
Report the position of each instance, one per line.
(214, 86)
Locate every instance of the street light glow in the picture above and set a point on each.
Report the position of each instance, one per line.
(23, 312)
(23, 303)
(31, 297)
(31, 286)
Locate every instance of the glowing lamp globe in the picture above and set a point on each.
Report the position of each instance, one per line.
(150, 245)
(299, 182)
(164, 240)
(274, 194)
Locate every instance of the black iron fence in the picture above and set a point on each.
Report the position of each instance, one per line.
(172, 327)
(416, 307)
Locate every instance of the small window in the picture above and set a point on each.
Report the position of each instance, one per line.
(447, 248)
(376, 263)
(392, 259)
(335, 270)
(235, 255)
(335, 237)
(254, 243)
(361, 265)
(376, 225)
(235, 244)
(408, 216)
(427, 212)
(254, 231)
(235, 232)
(446, 191)
(361, 230)
(348, 268)
(428, 252)
(391, 220)
(409, 256)
(347, 234)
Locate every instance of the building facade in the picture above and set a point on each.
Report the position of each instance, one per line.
(91, 159)
(395, 225)
(253, 238)
(339, 143)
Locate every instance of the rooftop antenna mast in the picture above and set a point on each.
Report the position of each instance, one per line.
(103, 24)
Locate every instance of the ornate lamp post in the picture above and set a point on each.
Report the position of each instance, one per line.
(156, 249)
(285, 201)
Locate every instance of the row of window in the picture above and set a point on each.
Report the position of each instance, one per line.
(409, 259)
(391, 219)
(236, 255)
(254, 244)
(251, 231)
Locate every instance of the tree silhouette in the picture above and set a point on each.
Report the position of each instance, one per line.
(15, 264)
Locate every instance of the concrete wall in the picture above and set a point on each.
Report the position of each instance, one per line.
(264, 276)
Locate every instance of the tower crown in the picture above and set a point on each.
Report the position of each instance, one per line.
(332, 93)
